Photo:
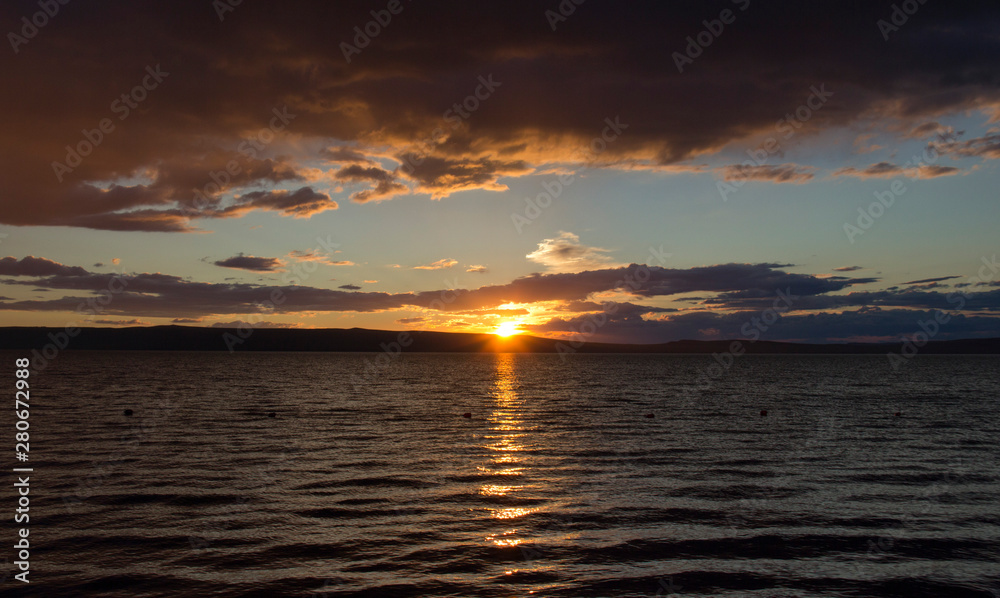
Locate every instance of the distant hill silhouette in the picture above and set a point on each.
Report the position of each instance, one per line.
(191, 338)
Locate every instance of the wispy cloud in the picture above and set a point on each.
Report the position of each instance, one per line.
(310, 255)
(887, 170)
(565, 253)
(438, 265)
(926, 280)
(256, 324)
(781, 173)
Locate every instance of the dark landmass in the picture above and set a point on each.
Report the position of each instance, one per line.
(191, 338)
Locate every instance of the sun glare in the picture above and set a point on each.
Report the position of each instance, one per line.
(507, 329)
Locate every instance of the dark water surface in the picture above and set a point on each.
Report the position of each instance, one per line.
(374, 484)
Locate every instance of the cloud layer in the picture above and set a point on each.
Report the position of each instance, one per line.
(260, 111)
(814, 308)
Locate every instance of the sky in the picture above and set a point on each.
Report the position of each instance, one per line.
(627, 172)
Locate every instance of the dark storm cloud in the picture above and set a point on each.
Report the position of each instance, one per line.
(385, 182)
(227, 77)
(894, 297)
(349, 287)
(164, 295)
(743, 280)
(249, 262)
(118, 207)
(345, 155)
(862, 325)
(938, 279)
(744, 290)
(617, 307)
(37, 266)
(206, 173)
(749, 280)
(443, 176)
(301, 203)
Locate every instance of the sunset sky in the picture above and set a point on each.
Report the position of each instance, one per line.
(539, 165)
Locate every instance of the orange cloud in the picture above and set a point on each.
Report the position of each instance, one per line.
(438, 265)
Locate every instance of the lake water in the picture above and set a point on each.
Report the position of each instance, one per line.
(369, 481)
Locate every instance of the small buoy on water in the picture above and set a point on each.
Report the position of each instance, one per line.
(467, 415)
(898, 413)
(272, 414)
(763, 412)
(650, 415)
(127, 412)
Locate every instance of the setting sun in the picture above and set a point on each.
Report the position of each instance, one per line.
(507, 329)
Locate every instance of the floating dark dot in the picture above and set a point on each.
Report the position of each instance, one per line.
(467, 415)
(763, 412)
(272, 414)
(128, 412)
(650, 415)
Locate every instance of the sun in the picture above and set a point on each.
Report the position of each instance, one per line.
(507, 329)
